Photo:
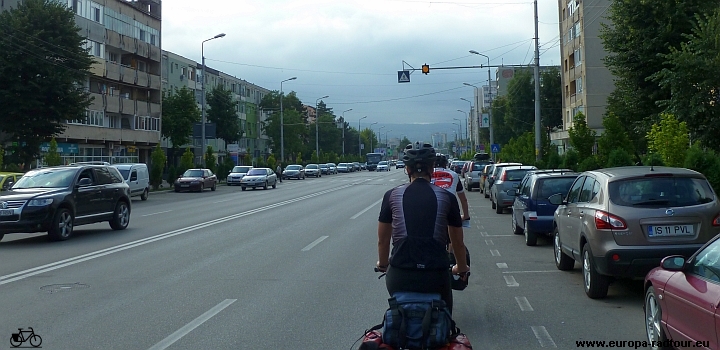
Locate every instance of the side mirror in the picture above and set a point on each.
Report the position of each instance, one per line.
(673, 263)
(513, 192)
(556, 199)
(84, 182)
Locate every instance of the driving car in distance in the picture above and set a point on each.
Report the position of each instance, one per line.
(399, 164)
(57, 199)
(236, 174)
(294, 171)
(196, 180)
(259, 177)
(312, 170)
(383, 166)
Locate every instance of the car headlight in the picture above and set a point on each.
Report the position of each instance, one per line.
(40, 202)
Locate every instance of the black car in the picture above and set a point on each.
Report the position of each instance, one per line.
(56, 199)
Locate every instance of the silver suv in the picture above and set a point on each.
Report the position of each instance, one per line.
(620, 222)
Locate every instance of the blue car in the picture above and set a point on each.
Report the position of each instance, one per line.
(532, 212)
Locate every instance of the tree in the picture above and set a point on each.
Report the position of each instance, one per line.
(693, 80)
(520, 113)
(52, 158)
(582, 138)
(637, 37)
(272, 162)
(179, 113)
(706, 162)
(618, 157)
(295, 132)
(669, 139)
(613, 138)
(187, 161)
(43, 69)
(2, 155)
(299, 159)
(502, 131)
(551, 98)
(210, 160)
(222, 113)
(156, 168)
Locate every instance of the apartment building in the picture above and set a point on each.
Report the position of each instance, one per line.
(585, 79)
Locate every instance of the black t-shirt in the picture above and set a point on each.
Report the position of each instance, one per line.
(420, 213)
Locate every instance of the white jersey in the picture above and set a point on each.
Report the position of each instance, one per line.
(447, 179)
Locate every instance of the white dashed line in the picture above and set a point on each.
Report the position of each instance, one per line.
(524, 304)
(531, 271)
(510, 281)
(366, 209)
(489, 242)
(500, 235)
(543, 337)
(502, 265)
(172, 338)
(160, 212)
(483, 233)
(495, 252)
(317, 241)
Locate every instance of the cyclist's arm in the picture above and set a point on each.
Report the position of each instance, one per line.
(464, 204)
(384, 235)
(456, 240)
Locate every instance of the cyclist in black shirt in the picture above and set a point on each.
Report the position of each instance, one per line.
(419, 217)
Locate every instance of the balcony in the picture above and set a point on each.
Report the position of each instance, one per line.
(128, 44)
(127, 106)
(154, 82)
(127, 75)
(143, 49)
(141, 108)
(142, 78)
(113, 38)
(155, 110)
(98, 67)
(85, 132)
(97, 103)
(113, 104)
(112, 71)
(155, 53)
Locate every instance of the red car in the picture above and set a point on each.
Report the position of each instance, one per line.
(682, 297)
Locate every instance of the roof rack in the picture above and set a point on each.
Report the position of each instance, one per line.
(549, 171)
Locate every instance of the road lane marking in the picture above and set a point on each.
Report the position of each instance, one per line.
(502, 265)
(483, 233)
(543, 337)
(531, 271)
(160, 212)
(495, 252)
(316, 242)
(16, 276)
(366, 209)
(489, 242)
(510, 281)
(172, 338)
(500, 235)
(225, 200)
(524, 304)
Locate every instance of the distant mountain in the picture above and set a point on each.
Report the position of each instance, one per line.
(420, 132)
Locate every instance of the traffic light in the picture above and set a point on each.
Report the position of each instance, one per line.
(425, 69)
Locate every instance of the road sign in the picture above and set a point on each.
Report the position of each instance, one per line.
(495, 148)
(484, 121)
(481, 147)
(403, 76)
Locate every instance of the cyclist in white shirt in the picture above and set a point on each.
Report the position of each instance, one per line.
(449, 180)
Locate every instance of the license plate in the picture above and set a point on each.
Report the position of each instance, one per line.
(670, 230)
(6, 212)
(184, 185)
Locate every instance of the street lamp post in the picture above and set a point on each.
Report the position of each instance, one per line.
(282, 122)
(470, 118)
(467, 132)
(202, 54)
(371, 137)
(387, 144)
(492, 139)
(360, 142)
(343, 129)
(317, 122)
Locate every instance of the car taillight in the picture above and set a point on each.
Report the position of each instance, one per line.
(504, 177)
(606, 221)
(716, 220)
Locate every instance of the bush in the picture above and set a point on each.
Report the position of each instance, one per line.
(654, 159)
(589, 163)
(172, 175)
(619, 157)
(13, 168)
(187, 161)
(271, 162)
(157, 166)
(705, 162)
(554, 161)
(210, 160)
(570, 160)
(53, 158)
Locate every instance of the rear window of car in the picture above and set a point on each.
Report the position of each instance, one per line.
(311, 166)
(293, 167)
(660, 191)
(257, 172)
(515, 175)
(549, 187)
(478, 166)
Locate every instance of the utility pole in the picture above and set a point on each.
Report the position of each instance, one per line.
(538, 142)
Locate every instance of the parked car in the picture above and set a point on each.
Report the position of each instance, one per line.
(259, 177)
(236, 174)
(681, 297)
(8, 179)
(532, 212)
(344, 168)
(324, 169)
(399, 164)
(196, 180)
(620, 222)
(136, 175)
(383, 166)
(492, 174)
(474, 173)
(456, 166)
(509, 178)
(356, 166)
(312, 170)
(483, 178)
(293, 171)
(333, 168)
(57, 199)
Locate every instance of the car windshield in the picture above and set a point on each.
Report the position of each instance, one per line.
(550, 186)
(257, 172)
(46, 178)
(241, 169)
(515, 174)
(324, 166)
(311, 166)
(193, 173)
(124, 172)
(660, 191)
(383, 163)
(293, 167)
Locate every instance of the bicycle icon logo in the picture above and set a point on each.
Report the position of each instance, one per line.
(22, 336)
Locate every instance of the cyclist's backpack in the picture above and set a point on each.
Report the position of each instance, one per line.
(418, 321)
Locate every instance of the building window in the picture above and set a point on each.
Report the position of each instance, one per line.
(92, 118)
(96, 12)
(147, 123)
(113, 57)
(578, 57)
(578, 85)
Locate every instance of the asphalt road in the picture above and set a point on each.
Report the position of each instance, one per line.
(285, 268)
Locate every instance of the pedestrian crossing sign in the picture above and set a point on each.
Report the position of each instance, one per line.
(403, 76)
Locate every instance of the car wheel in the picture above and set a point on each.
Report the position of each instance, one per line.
(202, 187)
(485, 193)
(214, 187)
(515, 228)
(243, 188)
(492, 204)
(121, 216)
(274, 184)
(265, 186)
(498, 209)
(62, 225)
(653, 318)
(530, 237)
(1, 236)
(144, 195)
(177, 189)
(562, 261)
(596, 285)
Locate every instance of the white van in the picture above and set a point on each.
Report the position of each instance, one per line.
(136, 175)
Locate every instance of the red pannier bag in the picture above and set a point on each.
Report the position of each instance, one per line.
(373, 340)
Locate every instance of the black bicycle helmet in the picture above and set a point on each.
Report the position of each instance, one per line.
(441, 161)
(419, 155)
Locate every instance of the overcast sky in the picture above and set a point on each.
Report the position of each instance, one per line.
(351, 50)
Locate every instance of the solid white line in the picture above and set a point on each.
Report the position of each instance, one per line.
(543, 337)
(510, 281)
(531, 271)
(316, 242)
(160, 212)
(502, 265)
(524, 304)
(495, 252)
(172, 338)
(16, 276)
(226, 200)
(500, 235)
(366, 209)
(489, 242)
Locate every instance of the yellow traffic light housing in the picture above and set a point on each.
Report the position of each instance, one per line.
(425, 69)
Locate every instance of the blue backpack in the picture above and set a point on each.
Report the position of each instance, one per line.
(417, 321)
